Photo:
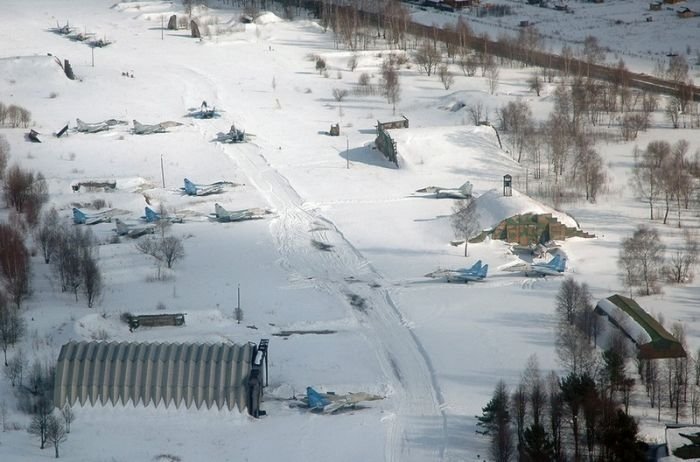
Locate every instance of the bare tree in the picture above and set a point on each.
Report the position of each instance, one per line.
(468, 63)
(172, 250)
(40, 419)
(48, 233)
(673, 111)
(4, 151)
(517, 122)
(593, 53)
(339, 94)
(492, 74)
(14, 263)
(92, 279)
(12, 326)
(682, 262)
(647, 171)
(15, 368)
(352, 63)
(391, 88)
(56, 433)
(427, 57)
(477, 111)
(465, 220)
(68, 416)
(535, 83)
(576, 355)
(641, 259)
(446, 76)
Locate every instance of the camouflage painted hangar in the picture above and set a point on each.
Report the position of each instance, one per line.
(531, 228)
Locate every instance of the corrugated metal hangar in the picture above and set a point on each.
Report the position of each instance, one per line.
(161, 374)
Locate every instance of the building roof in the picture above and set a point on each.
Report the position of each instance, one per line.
(153, 373)
(653, 341)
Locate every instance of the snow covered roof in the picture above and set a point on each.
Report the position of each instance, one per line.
(494, 207)
(652, 339)
(153, 373)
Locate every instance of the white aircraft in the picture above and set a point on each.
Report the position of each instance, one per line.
(144, 129)
(86, 127)
(133, 230)
(463, 192)
(476, 273)
(554, 267)
(82, 218)
(329, 403)
(224, 216)
(141, 129)
(199, 189)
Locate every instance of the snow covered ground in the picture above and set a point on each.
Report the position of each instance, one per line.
(435, 350)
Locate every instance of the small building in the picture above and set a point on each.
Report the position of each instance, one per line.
(672, 2)
(531, 229)
(686, 13)
(220, 375)
(650, 337)
(655, 6)
(461, 4)
(402, 123)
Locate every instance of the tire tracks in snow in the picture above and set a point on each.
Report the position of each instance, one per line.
(418, 430)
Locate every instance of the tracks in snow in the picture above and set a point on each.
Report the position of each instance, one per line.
(418, 430)
(419, 414)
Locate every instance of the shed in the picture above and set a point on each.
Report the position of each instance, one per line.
(650, 337)
(221, 375)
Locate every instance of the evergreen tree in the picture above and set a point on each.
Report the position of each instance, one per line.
(538, 447)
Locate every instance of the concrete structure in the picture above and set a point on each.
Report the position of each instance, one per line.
(530, 229)
(160, 374)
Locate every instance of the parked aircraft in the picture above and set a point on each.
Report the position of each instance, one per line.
(197, 189)
(476, 273)
(329, 403)
(224, 216)
(133, 230)
(463, 192)
(554, 267)
(152, 216)
(86, 127)
(234, 135)
(82, 218)
(142, 129)
(63, 30)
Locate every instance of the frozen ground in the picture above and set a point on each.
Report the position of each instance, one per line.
(434, 350)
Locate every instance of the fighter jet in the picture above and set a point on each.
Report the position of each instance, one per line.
(555, 267)
(200, 189)
(463, 192)
(141, 129)
(133, 230)
(234, 135)
(330, 403)
(224, 216)
(476, 273)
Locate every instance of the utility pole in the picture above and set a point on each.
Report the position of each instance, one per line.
(161, 27)
(162, 171)
(347, 152)
(93, 55)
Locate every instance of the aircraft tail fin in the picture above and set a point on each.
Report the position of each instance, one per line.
(79, 217)
(190, 188)
(151, 215)
(562, 265)
(316, 401)
(555, 262)
(219, 211)
(466, 189)
(484, 271)
(477, 266)
(122, 228)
